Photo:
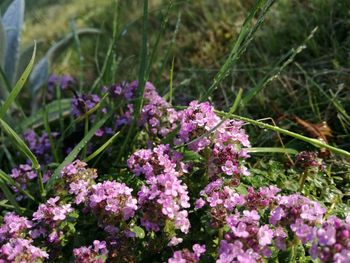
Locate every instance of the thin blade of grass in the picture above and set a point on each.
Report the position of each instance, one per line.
(18, 87)
(309, 140)
(281, 64)
(272, 150)
(74, 153)
(244, 38)
(102, 148)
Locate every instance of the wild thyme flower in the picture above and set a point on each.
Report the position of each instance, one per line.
(21, 250)
(186, 256)
(228, 154)
(92, 254)
(40, 145)
(48, 220)
(158, 161)
(112, 202)
(14, 226)
(332, 241)
(79, 179)
(164, 196)
(195, 121)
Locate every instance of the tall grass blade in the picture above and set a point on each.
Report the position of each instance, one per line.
(314, 142)
(3, 44)
(101, 148)
(18, 87)
(281, 64)
(250, 26)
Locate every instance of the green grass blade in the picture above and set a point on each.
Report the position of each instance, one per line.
(272, 150)
(18, 87)
(101, 148)
(20, 144)
(280, 65)
(244, 38)
(143, 63)
(314, 142)
(74, 153)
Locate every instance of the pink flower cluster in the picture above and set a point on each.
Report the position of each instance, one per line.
(164, 196)
(156, 114)
(228, 153)
(112, 202)
(79, 180)
(196, 120)
(48, 219)
(186, 256)
(248, 237)
(15, 243)
(91, 254)
(331, 241)
(21, 250)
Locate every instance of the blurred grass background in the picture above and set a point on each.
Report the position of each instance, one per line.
(199, 35)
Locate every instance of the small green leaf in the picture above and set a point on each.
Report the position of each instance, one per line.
(139, 232)
(20, 144)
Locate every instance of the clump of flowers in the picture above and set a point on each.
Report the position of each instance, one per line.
(112, 203)
(157, 115)
(186, 256)
(228, 154)
(92, 254)
(331, 241)
(49, 221)
(163, 192)
(21, 250)
(79, 180)
(14, 226)
(161, 159)
(40, 145)
(195, 121)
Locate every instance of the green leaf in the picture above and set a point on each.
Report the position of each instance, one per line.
(101, 148)
(74, 153)
(18, 87)
(139, 232)
(19, 144)
(13, 21)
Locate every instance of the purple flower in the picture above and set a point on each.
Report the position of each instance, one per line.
(93, 254)
(185, 255)
(265, 235)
